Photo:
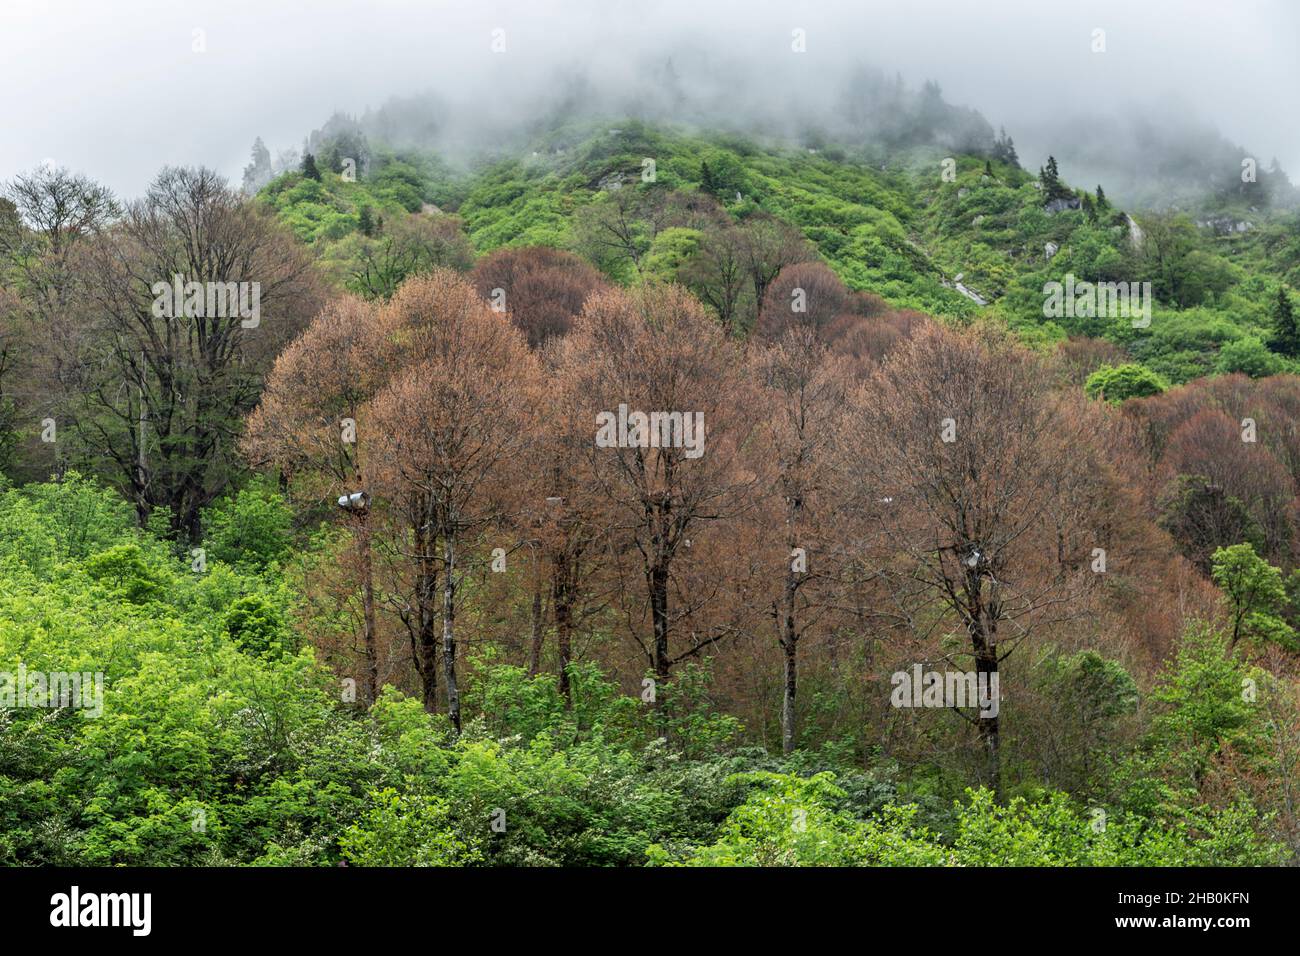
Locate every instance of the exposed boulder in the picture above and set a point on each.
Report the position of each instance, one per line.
(1060, 205)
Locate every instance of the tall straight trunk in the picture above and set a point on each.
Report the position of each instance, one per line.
(562, 602)
(790, 643)
(142, 460)
(984, 644)
(426, 596)
(787, 704)
(789, 628)
(449, 629)
(986, 665)
(535, 651)
(368, 607)
(658, 580)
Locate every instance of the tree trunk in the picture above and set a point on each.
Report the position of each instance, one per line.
(535, 651)
(789, 631)
(449, 629)
(984, 645)
(659, 614)
(426, 594)
(787, 704)
(562, 602)
(988, 727)
(142, 460)
(984, 641)
(368, 607)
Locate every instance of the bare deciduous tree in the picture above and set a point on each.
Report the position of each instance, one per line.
(450, 429)
(656, 350)
(982, 492)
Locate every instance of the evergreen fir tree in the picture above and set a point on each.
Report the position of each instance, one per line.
(708, 182)
(366, 221)
(308, 167)
(1286, 334)
(1051, 178)
(1004, 149)
(1053, 188)
(258, 173)
(1102, 204)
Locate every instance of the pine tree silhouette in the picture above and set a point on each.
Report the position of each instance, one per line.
(1286, 334)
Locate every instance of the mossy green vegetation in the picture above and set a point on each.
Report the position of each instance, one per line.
(959, 236)
(223, 741)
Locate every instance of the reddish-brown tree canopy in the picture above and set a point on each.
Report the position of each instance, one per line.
(542, 289)
(804, 294)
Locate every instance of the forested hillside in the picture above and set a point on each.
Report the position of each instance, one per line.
(406, 561)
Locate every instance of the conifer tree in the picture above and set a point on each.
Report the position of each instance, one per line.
(259, 172)
(1286, 334)
(1050, 177)
(1004, 149)
(708, 182)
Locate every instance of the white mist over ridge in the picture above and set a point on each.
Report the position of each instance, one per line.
(118, 91)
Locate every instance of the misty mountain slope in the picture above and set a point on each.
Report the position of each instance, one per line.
(914, 226)
(1154, 160)
(862, 219)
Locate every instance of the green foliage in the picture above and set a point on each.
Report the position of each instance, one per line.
(796, 821)
(407, 830)
(1285, 338)
(1205, 709)
(1249, 356)
(308, 167)
(669, 252)
(252, 527)
(217, 713)
(1115, 383)
(189, 723)
(255, 626)
(892, 228)
(1094, 701)
(793, 821)
(217, 744)
(1255, 594)
(123, 570)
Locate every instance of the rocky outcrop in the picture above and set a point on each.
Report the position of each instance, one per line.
(1226, 225)
(968, 293)
(1135, 233)
(1060, 205)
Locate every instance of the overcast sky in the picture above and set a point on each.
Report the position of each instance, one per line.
(116, 89)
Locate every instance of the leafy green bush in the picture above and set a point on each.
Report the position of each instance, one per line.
(407, 830)
(1115, 383)
(251, 527)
